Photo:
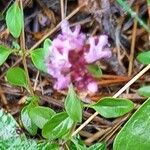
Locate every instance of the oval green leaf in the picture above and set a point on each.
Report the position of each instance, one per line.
(14, 20)
(17, 76)
(113, 107)
(46, 46)
(144, 57)
(95, 70)
(26, 120)
(48, 146)
(4, 53)
(40, 115)
(144, 91)
(135, 135)
(73, 105)
(57, 126)
(38, 59)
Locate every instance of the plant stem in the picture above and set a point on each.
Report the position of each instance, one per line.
(73, 128)
(133, 14)
(22, 43)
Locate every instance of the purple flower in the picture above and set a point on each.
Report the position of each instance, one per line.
(98, 49)
(69, 56)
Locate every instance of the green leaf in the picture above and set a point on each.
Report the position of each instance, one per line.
(17, 76)
(144, 91)
(46, 46)
(77, 144)
(12, 137)
(113, 107)
(135, 135)
(95, 70)
(73, 105)
(4, 53)
(39, 55)
(98, 146)
(38, 59)
(9, 127)
(148, 2)
(40, 115)
(48, 146)
(26, 120)
(144, 57)
(17, 143)
(14, 20)
(57, 126)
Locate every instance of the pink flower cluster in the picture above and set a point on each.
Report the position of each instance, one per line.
(69, 55)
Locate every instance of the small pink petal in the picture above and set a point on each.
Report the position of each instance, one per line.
(102, 40)
(65, 27)
(62, 83)
(77, 30)
(92, 87)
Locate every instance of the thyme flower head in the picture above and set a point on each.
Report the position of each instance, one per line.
(69, 56)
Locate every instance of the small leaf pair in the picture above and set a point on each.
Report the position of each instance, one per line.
(144, 58)
(34, 116)
(60, 124)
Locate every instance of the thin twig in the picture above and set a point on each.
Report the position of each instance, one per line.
(3, 99)
(131, 57)
(62, 9)
(132, 46)
(22, 43)
(96, 136)
(133, 14)
(36, 81)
